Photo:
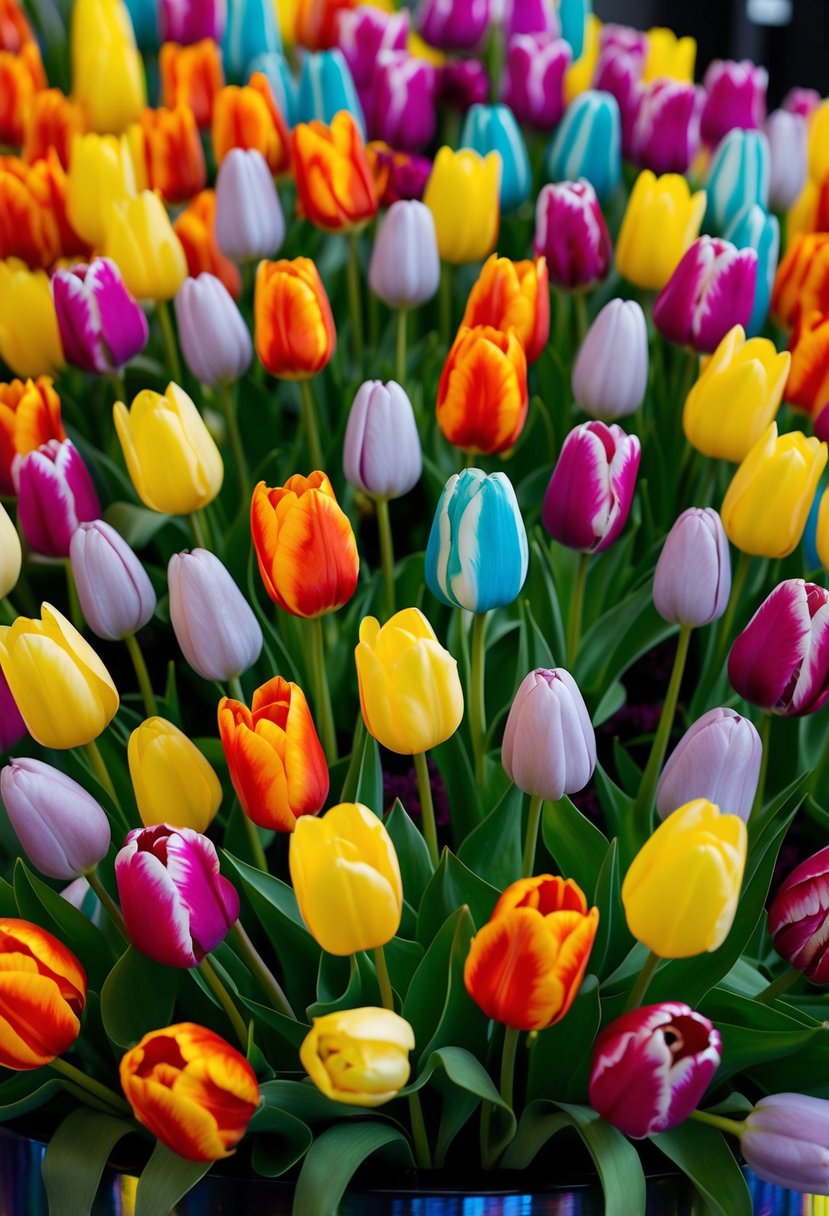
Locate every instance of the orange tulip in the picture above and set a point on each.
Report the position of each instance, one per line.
(42, 994)
(315, 22)
(482, 394)
(274, 756)
(174, 155)
(15, 30)
(808, 383)
(196, 229)
(52, 121)
(513, 295)
(802, 278)
(21, 77)
(304, 544)
(48, 181)
(525, 966)
(191, 1089)
(28, 230)
(335, 188)
(250, 118)
(191, 76)
(293, 324)
(29, 416)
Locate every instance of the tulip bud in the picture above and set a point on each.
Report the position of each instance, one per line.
(549, 747)
(477, 554)
(29, 418)
(101, 326)
(571, 234)
(61, 828)
(735, 96)
(398, 176)
(462, 195)
(798, 916)
(55, 494)
(738, 177)
(610, 373)
(29, 334)
(251, 30)
(665, 126)
(186, 21)
(669, 56)
(176, 905)
(358, 1056)
(591, 490)
(664, 205)
(463, 83)
(364, 32)
(215, 340)
(196, 229)
(754, 229)
(652, 1066)
(717, 758)
(534, 78)
(214, 624)
(335, 189)
(283, 87)
(173, 782)
(191, 76)
(43, 990)
(381, 450)
(114, 591)
(293, 323)
(808, 383)
(482, 394)
(403, 105)
(787, 136)
(785, 1141)
(512, 295)
(11, 553)
(107, 70)
(405, 264)
(489, 129)
(457, 26)
(620, 74)
(326, 87)
(802, 281)
(249, 220)
(141, 241)
(692, 580)
(588, 144)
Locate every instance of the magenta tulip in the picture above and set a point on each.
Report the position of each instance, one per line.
(717, 758)
(363, 33)
(403, 110)
(801, 101)
(571, 233)
(711, 291)
(54, 495)
(735, 96)
(799, 918)
(101, 326)
(665, 135)
(114, 590)
(453, 25)
(214, 624)
(591, 490)
(534, 78)
(549, 746)
(12, 726)
(188, 21)
(626, 39)
(531, 17)
(619, 74)
(463, 83)
(692, 580)
(785, 1141)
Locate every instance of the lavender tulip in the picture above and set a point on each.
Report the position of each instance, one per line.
(549, 747)
(214, 624)
(591, 490)
(665, 136)
(785, 1141)
(381, 452)
(692, 581)
(788, 143)
(188, 21)
(735, 96)
(101, 326)
(717, 758)
(249, 220)
(115, 593)
(54, 495)
(534, 78)
(215, 340)
(403, 108)
(780, 661)
(571, 233)
(711, 291)
(62, 829)
(799, 918)
(405, 264)
(453, 25)
(12, 726)
(176, 905)
(610, 374)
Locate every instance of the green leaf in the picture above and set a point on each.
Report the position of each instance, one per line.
(617, 639)
(279, 1141)
(539, 1122)
(437, 1005)
(332, 1159)
(578, 847)
(493, 851)
(164, 1180)
(340, 986)
(127, 1019)
(466, 1073)
(702, 1154)
(461, 788)
(416, 867)
(27, 1091)
(402, 959)
(137, 525)
(616, 804)
(39, 903)
(613, 938)
(303, 1100)
(559, 1059)
(615, 1158)
(452, 886)
(8, 903)
(613, 698)
(370, 777)
(75, 1158)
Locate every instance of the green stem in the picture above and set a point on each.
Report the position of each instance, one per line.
(234, 434)
(235, 689)
(576, 609)
(7, 611)
(168, 336)
(777, 987)
(400, 353)
(582, 320)
(764, 732)
(142, 675)
(198, 531)
(445, 304)
(255, 842)
(721, 649)
(75, 614)
(108, 902)
(477, 697)
(119, 387)
(813, 783)
(733, 1126)
(637, 992)
(102, 1092)
(263, 973)
(644, 800)
(225, 1000)
(386, 551)
(421, 1140)
(383, 979)
(99, 768)
(355, 300)
(322, 692)
(309, 424)
(491, 1152)
(530, 840)
(427, 806)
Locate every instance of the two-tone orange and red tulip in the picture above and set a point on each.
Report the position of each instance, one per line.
(250, 118)
(173, 152)
(513, 295)
(191, 76)
(42, 994)
(808, 383)
(482, 394)
(293, 323)
(195, 227)
(335, 187)
(802, 280)
(51, 121)
(29, 417)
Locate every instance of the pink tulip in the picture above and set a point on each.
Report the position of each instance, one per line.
(665, 136)
(101, 326)
(711, 291)
(403, 110)
(453, 25)
(735, 97)
(571, 233)
(114, 590)
(534, 78)
(717, 758)
(363, 33)
(799, 918)
(55, 494)
(188, 21)
(591, 490)
(12, 726)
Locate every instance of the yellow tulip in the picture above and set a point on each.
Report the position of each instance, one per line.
(141, 241)
(410, 692)
(64, 693)
(358, 1056)
(579, 75)
(681, 891)
(171, 458)
(462, 195)
(669, 56)
(822, 537)
(11, 555)
(767, 504)
(107, 70)
(29, 336)
(736, 396)
(819, 142)
(661, 221)
(346, 879)
(101, 172)
(172, 780)
(802, 215)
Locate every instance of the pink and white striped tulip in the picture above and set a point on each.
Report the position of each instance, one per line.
(188, 21)
(692, 580)
(717, 758)
(799, 918)
(54, 495)
(801, 101)
(652, 1066)
(780, 661)
(101, 326)
(665, 135)
(711, 291)
(533, 85)
(177, 907)
(619, 74)
(403, 107)
(530, 17)
(625, 39)
(591, 490)
(735, 96)
(453, 25)
(363, 33)
(114, 590)
(571, 233)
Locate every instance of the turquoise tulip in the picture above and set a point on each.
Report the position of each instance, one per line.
(572, 15)
(283, 84)
(251, 31)
(494, 129)
(755, 229)
(588, 143)
(738, 178)
(326, 86)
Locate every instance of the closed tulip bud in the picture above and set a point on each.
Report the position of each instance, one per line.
(55, 494)
(588, 143)
(463, 83)
(531, 17)
(785, 1141)
(43, 990)
(738, 178)
(534, 78)
(173, 783)
(51, 121)
(571, 234)
(326, 87)
(462, 195)
(101, 325)
(214, 624)
(28, 228)
(710, 291)
(215, 340)
(249, 220)
(175, 158)
(755, 229)
(274, 756)
(692, 580)
(798, 915)
(818, 138)
(620, 75)
(250, 118)
(808, 383)
(171, 458)
(767, 503)
(195, 227)
(101, 172)
(29, 335)
(665, 128)
(186, 21)
(346, 879)
(11, 554)
(669, 55)
(525, 966)
(717, 758)
(488, 129)
(12, 726)
(176, 905)
(802, 282)
(107, 69)
(304, 545)
(787, 135)
(482, 394)
(381, 450)
(549, 747)
(610, 374)
(141, 241)
(735, 96)
(652, 1066)
(191, 76)
(273, 68)
(335, 190)
(293, 324)
(364, 32)
(29, 418)
(251, 30)
(114, 591)
(512, 295)
(64, 693)
(165, 1080)
(404, 270)
(456, 26)
(591, 490)
(477, 553)
(664, 205)
(403, 109)
(358, 1056)
(61, 828)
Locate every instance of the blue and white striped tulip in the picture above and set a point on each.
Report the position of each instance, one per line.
(588, 143)
(326, 86)
(251, 31)
(739, 177)
(494, 129)
(572, 15)
(282, 81)
(755, 229)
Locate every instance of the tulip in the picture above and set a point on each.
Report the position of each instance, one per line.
(533, 85)
(526, 964)
(173, 782)
(735, 96)
(55, 494)
(381, 450)
(313, 24)
(808, 383)
(358, 1056)
(651, 1067)
(766, 505)
(116, 596)
(51, 121)
(43, 989)
(404, 270)
(11, 554)
(61, 828)
(512, 295)
(141, 241)
(588, 143)
(191, 76)
(463, 83)
(107, 70)
(398, 176)
(403, 106)
(326, 87)
(462, 195)
(101, 326)
(174, 154)
(664, 205)
(12, 726)
(692, 580)
(669, 56)
(798, 915)
(187, 21)
(610, 373)
(571, 234)
(101, 172)
(785, 1141)
(818, 137)
(801, 101)
(346, 879)
(665, 129)
(591, 490)
(276, 763)
(718, 758)
(215, 340)
(251, 30)
(29, 418)
(172, 461)
(335, 190)
(28, 225)
(64, 693)
(363, 33)
(29, 335)
(738, 177)
(549, 747)
(756, 229)
(488, 129)
(482, 394)
(620, 75)
(214, 624)
(802, 281)
(458, 25)
(195, 227)
(530, 17)
(250, 118)
(274, 67)
(787, 136)
(710, 291)
(249, 220)
(293, 325)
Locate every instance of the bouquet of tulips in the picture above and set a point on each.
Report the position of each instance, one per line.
(341, 834)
